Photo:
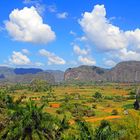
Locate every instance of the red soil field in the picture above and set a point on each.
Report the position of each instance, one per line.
(55, 105)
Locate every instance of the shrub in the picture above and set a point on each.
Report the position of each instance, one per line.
(104, 131)
(118, 98)
(59, 111)
(109, 105)
(128, 106)
(131, 97)
(108, 97)
(94, 106)
(89, 113)
(85, 129)
(97, 95)
(132, 92)
(114, 112)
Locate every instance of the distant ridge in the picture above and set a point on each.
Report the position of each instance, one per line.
(128, 71)
(27, 71)
(58, 75)
(26, 75)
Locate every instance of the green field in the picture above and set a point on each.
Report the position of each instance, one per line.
(81, 106)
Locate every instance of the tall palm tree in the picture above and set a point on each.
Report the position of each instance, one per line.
(105, 132)
(6, 103)
(63, 125)
(30, 122)
(85, 129)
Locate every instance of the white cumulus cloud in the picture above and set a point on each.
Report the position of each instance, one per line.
(38, 64)
(27, 25)
(125, 54)
(63, 15)
(100, 31)
(73, 33)
(52, 58)
(25, 51)
(52, 8)
(86, 60)
(80, 51)
(133, 38)
(109, 63)
(18, 58)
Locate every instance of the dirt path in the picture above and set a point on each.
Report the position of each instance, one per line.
(93, 119)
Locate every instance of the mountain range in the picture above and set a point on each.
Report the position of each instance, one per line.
(24, 75)
(128, 71)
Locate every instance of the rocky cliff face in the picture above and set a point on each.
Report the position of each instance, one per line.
(123, 72)
(85, 74)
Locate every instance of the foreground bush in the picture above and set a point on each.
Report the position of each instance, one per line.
(30, 122)
(105, 132)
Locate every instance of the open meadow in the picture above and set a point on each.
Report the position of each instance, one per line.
(108, 108)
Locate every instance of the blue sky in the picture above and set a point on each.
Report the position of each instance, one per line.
(58, 34)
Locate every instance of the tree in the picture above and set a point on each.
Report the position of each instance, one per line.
(137, 102)
(104, 132)
(42, 86)
(97, 95)
(85, 129)
(30, 122)
(39, 86)
(63, 125)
